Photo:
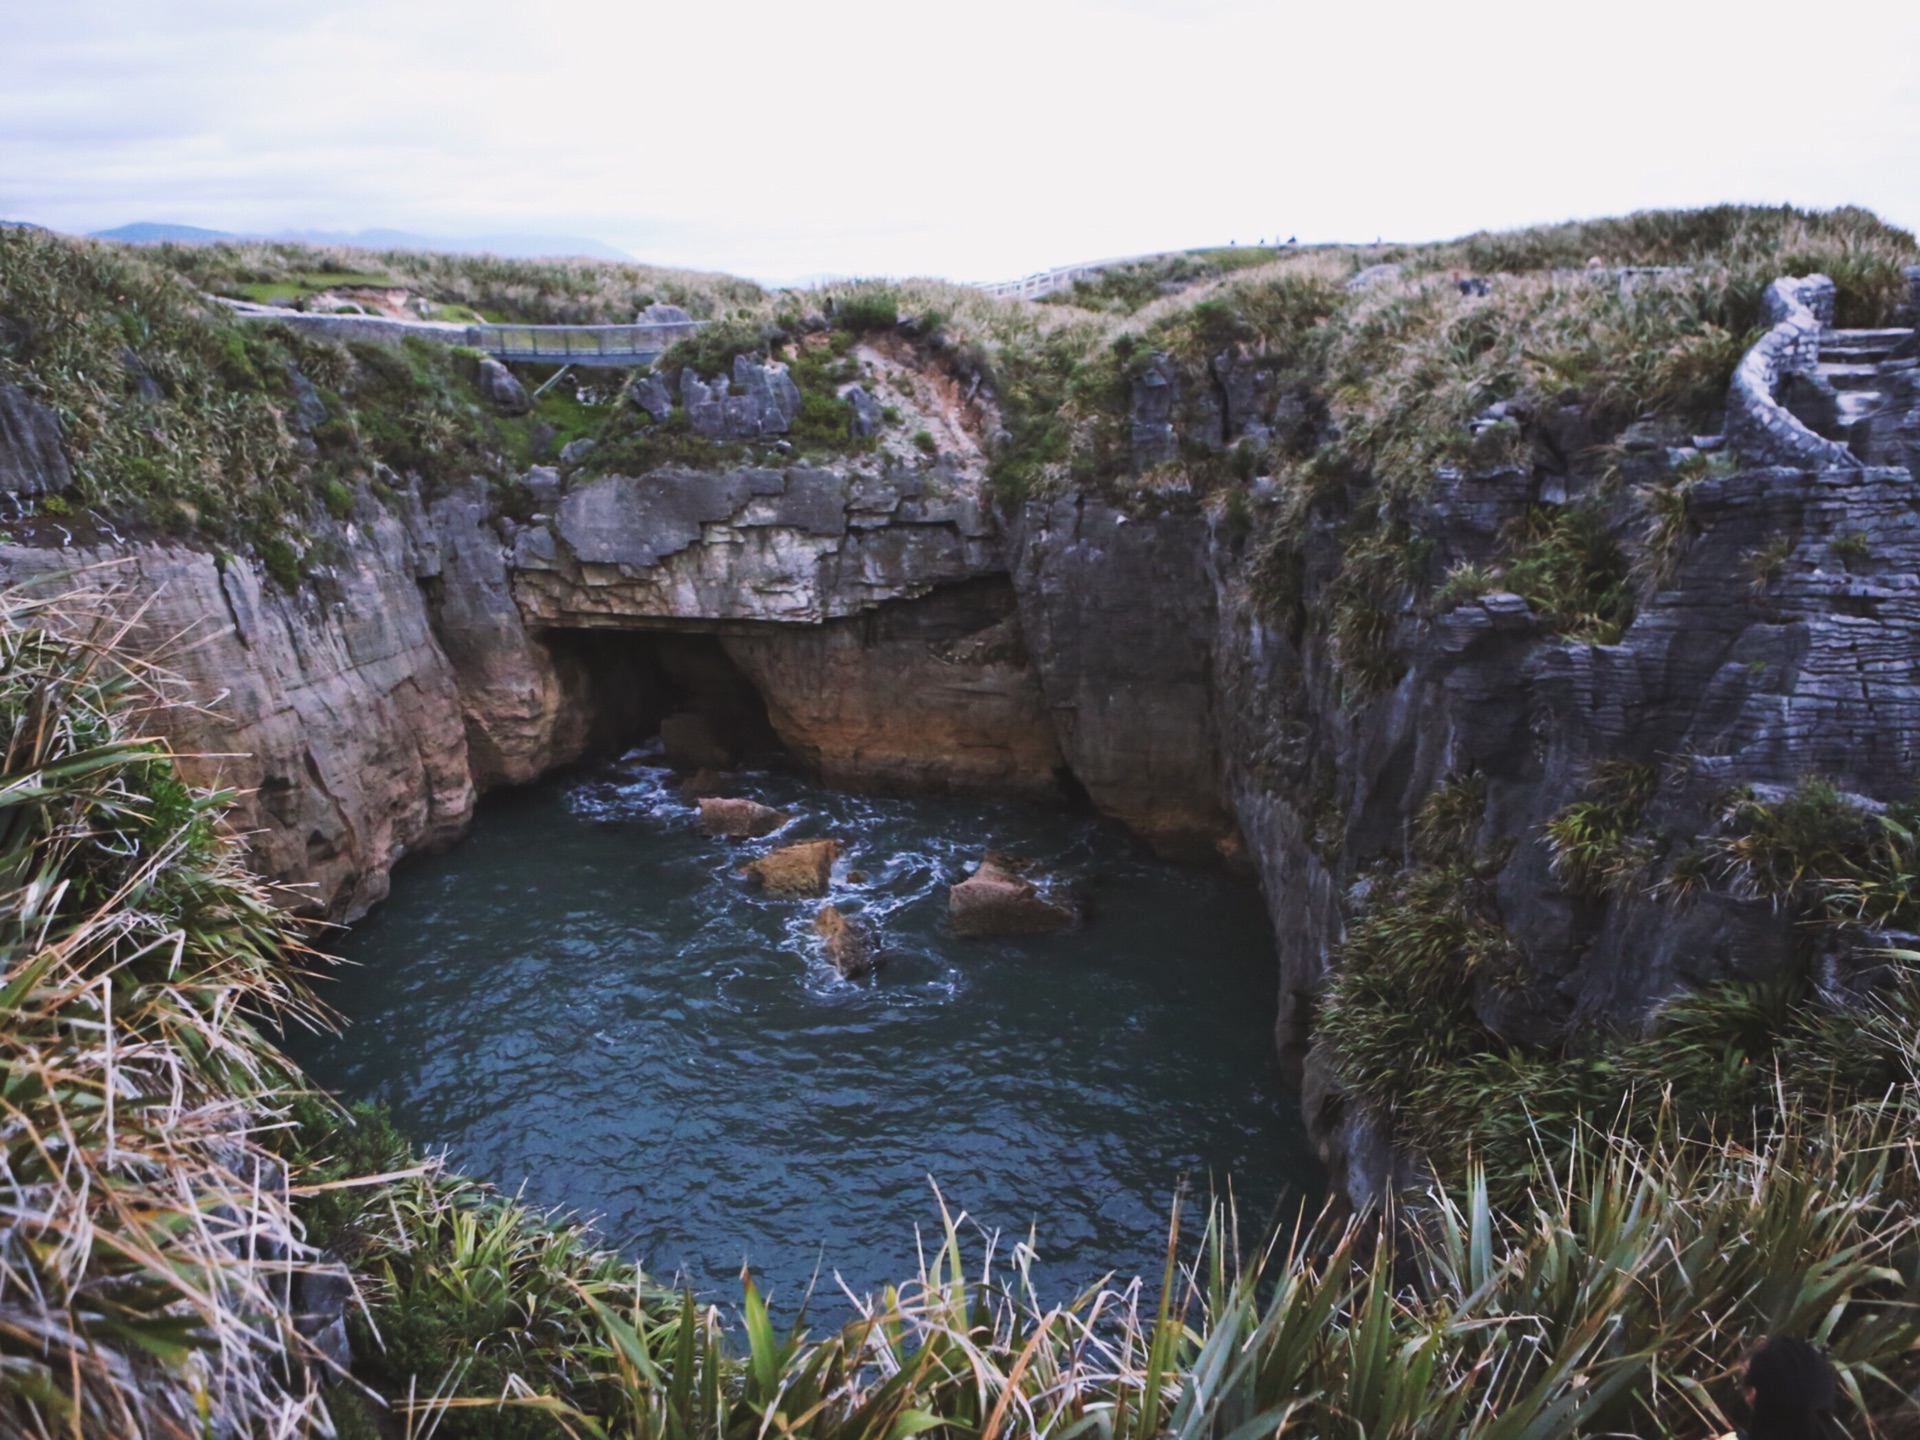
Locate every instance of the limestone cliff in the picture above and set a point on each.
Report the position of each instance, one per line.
(1274, 664)
(331, 712)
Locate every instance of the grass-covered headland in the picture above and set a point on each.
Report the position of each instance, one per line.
(1605, 1230)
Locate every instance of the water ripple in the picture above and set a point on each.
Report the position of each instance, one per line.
(586, 999)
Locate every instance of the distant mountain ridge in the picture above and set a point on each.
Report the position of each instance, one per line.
(518, 247)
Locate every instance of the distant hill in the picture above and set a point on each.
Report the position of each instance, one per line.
(148, 232)
(516, 247)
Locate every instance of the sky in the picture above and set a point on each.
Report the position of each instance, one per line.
(790, 138)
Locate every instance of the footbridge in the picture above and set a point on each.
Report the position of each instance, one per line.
(612, 345)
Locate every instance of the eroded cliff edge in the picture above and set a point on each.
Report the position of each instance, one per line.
(1239, 647)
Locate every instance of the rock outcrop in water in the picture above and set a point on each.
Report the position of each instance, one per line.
(1000, 899)
(845, 943)
(739, 819)
(801, 869)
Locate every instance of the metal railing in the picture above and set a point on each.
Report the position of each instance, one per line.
(579, 344)
(639, 344)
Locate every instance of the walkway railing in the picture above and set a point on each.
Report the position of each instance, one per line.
(549, 344)
(579, 344)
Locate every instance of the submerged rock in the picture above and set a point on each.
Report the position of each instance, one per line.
(801, 869)
(845, 943)
(703, 784)
(998, 899)
(739, 819)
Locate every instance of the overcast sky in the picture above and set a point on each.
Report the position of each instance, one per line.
(781, 138)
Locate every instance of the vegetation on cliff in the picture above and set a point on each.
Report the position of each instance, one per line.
(1608, 1219)
(154, 1264)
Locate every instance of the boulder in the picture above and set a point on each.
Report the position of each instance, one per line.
(321, 1296)
(801, 869)
(31, 460)
(692, 742)
(739, 819)
(998, 899)
(501, 390)
(574, 451)
(651, 394)
(543, 485)
(845, 944)
(867, 416)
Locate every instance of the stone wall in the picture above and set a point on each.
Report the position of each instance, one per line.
(1758, 425)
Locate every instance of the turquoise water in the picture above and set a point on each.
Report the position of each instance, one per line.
(583, 999)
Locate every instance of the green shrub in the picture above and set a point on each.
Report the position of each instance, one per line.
(867, 312)
(281, 561)
(1594, 853)
(711, 350)
(1569, 568)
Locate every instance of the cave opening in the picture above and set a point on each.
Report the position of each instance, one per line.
(681, 686)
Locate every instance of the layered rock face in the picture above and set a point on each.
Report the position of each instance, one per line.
(447, 650)
(1729, 676)
(798, 545)
(1121, 614)
(332, 713)
(902, 636)
(934, 695)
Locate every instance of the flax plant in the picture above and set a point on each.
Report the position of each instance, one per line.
(146, 1245)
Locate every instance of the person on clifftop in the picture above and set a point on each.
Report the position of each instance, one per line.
(1790, 1391)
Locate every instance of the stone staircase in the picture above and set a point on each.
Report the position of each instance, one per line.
(1859, 377)
(1853, 362)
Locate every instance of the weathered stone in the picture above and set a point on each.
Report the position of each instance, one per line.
(800, 870)
(998, 900)
(501, 389)
(802, 544)
(322, 1292)
(845, 944)
(308, 409)
(1121, 624)
(739, 819)
(651, 394)
(543, 485)
(31, 460)
(706, 784)
(867, 417)
(513, 697)
(932, 695)
(574, 451)
(336, 724)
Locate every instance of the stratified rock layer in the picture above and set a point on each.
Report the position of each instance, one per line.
(332, 713)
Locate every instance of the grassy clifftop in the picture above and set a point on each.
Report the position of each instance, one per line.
(180, 420)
